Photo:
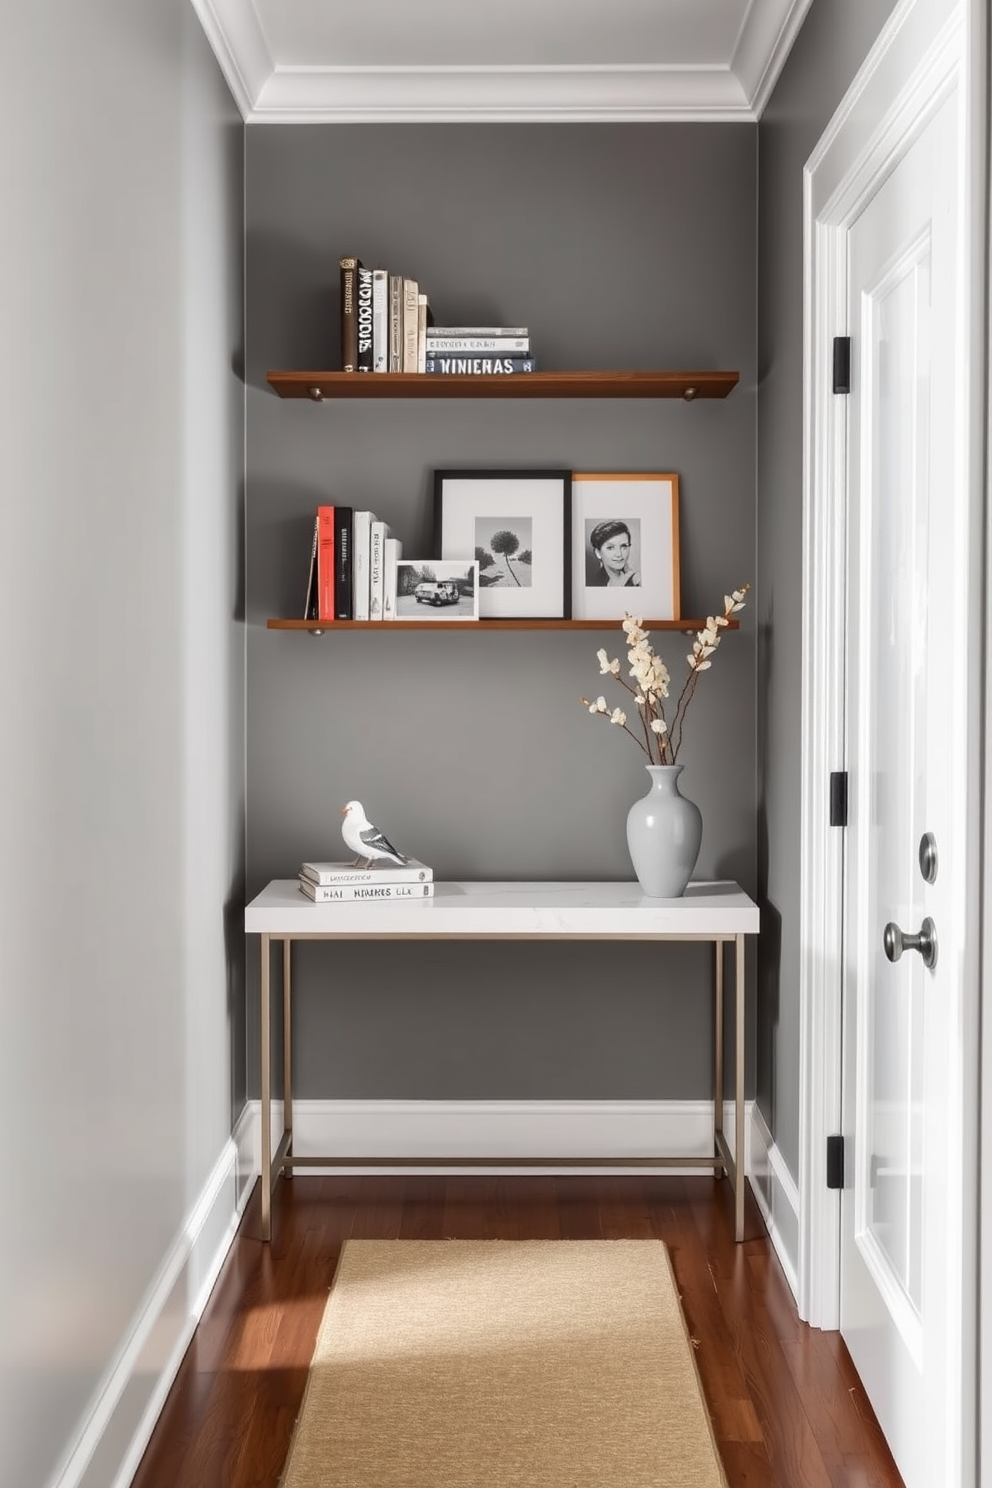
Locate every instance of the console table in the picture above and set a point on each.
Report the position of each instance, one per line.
(719, 912)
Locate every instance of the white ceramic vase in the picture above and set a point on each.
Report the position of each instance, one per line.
(664, 831)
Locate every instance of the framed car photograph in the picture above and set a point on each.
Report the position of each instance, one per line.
(515, 525)
(431, 589)
(625, 546)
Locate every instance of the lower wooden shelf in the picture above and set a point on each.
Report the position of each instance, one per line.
(317, 627)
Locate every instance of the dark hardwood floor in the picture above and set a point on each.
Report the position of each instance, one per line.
(786, 1404)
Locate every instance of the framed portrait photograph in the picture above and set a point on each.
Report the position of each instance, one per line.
(515, 525)
(434, 589)
(625, 546)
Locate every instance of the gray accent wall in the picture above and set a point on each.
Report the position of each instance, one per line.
(620, 247)
(834, 41)
(122, 722)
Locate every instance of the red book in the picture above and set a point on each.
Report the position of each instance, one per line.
(325, 563)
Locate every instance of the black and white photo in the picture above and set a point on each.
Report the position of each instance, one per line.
(433, 589)
(514, 524)
(625, 546)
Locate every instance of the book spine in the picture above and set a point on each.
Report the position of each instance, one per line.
(360, 538)
(425, 318)
(391, 557)
(410, 292)
(364, 318)
(325, 563)
(311, 609)
(479, 366)
(335, 893)
(377, 539)
(396, 323)
(386, 873)
(380, 320)
(481, 331)
(343, 605)
(471, 345)
(349, 315)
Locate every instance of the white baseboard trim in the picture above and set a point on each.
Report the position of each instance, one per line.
(132, 1393)
(776, 1195)
(480, 1129)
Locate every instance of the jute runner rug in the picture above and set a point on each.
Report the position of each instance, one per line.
(503, 1364)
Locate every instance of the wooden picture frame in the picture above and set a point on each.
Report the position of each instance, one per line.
(625, 545)
(515, 524)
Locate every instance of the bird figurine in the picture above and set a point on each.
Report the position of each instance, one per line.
(366, 841)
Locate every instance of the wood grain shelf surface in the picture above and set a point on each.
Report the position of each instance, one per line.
(319, 626)
(322, 387)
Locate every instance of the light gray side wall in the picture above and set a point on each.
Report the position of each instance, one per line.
(121, 674)
(620, 246)
(831, 46)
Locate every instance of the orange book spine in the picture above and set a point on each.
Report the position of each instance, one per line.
(325, 563)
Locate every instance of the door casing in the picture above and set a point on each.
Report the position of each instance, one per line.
(922, 56)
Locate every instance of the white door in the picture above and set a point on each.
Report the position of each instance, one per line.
(902, 1242)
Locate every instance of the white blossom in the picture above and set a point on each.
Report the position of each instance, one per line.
(659, 726)
(618, 716)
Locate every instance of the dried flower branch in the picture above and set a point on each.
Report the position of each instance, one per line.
(651, 680)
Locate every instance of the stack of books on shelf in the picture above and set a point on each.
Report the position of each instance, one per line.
(329, 883)
(353, 558)
(387, 326)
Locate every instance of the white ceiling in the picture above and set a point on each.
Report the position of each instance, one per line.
(347, 61)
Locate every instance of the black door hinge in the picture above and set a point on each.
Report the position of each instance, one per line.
(838, 798)
(842, 364)
(835, 1162)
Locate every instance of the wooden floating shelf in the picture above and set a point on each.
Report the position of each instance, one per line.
(322, 387)
(689, 627)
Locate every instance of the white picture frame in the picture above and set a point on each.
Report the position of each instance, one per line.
(633, 515)
(515, 524)
(437, 589)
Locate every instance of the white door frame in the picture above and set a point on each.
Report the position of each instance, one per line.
(919, 59)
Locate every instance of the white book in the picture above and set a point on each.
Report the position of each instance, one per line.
(410, 324)
(393, 554)
(435, 345)
(412, 871)
(380, 321)
(479, 331)
(331, 893)
(361, 537)
(422, 312)
(378, 532)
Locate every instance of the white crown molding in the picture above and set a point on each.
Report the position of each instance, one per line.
(651, 93)
(235, 34)
(349, 95)
(766, 40)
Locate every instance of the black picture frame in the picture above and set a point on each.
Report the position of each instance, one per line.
(517, 525)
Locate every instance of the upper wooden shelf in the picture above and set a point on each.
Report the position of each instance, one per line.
(323, 386)
(318, 626)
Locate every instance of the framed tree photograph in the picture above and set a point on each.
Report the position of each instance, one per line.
(515, 525)
(430, 589)
(625, 546)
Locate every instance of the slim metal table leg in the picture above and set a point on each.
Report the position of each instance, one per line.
(721, 1171)
(266, 1095)
(287, 1050)
(739, 1172)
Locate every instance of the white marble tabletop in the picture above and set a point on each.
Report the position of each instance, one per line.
(481, 910)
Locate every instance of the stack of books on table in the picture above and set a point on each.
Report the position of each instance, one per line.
(482, 351)
(327, 883)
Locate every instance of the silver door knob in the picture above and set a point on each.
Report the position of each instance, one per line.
(896, 941)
